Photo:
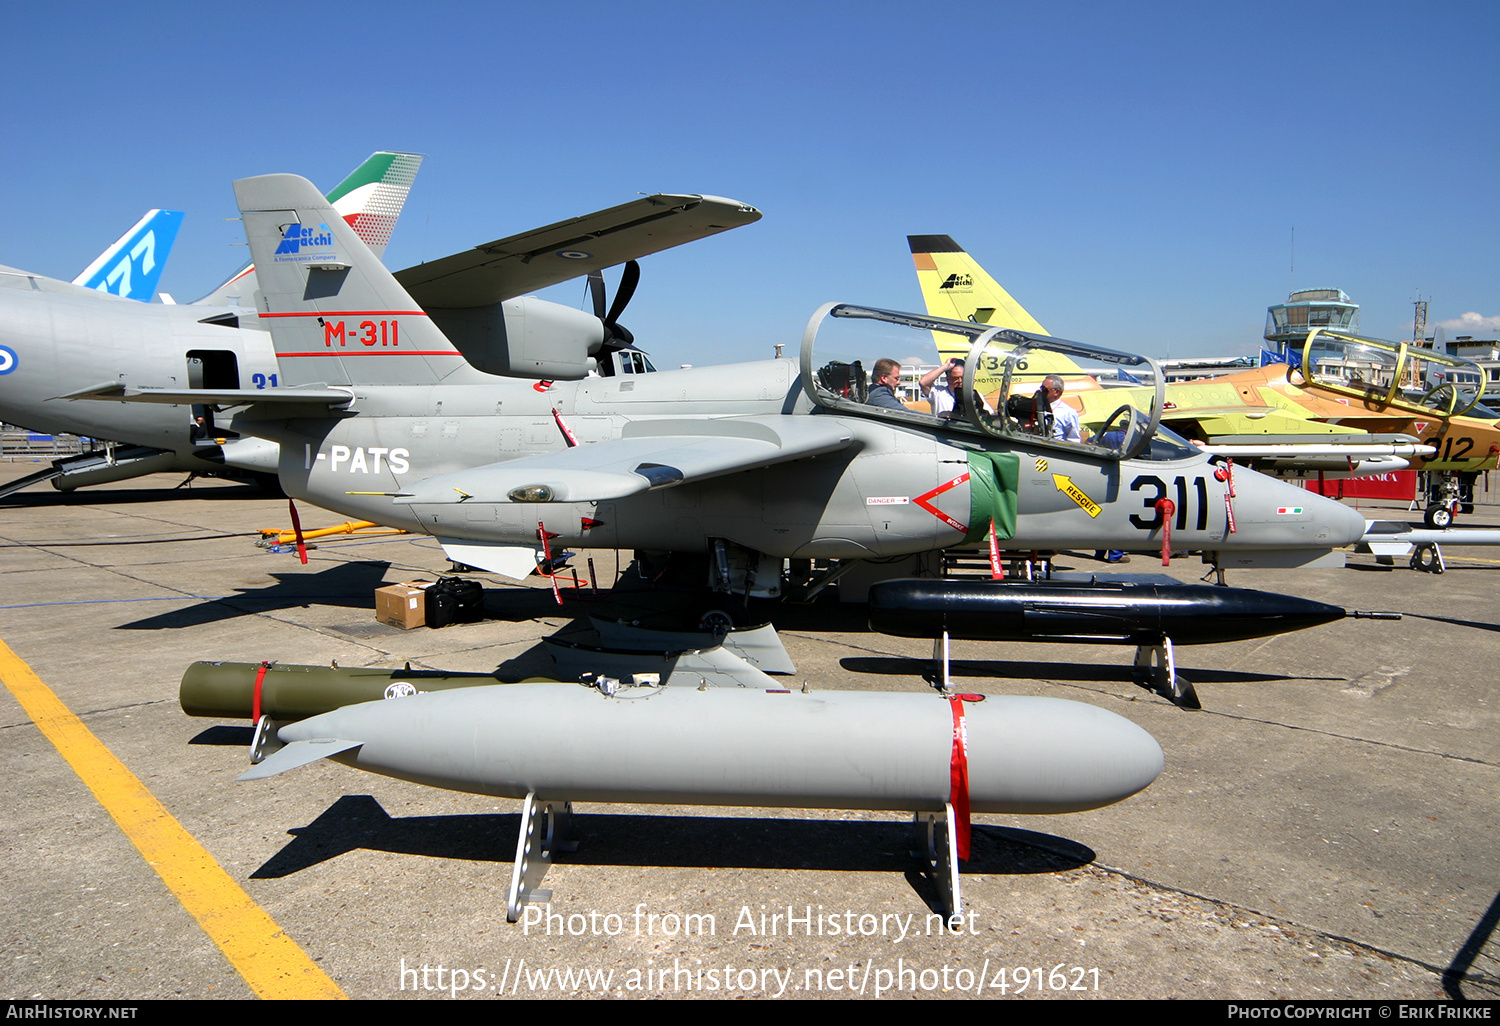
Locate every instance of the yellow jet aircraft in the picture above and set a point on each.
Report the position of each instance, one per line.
(1354, 400)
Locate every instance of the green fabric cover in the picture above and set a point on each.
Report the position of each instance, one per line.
(994, 481)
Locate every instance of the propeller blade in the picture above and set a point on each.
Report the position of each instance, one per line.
(596, 288)
(628, 281)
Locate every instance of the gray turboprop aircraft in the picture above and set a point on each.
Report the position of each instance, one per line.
(382, 417)
(68, 341)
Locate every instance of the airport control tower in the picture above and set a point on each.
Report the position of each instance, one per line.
(1287, 324)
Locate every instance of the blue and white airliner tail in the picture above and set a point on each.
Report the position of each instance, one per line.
(133, 265)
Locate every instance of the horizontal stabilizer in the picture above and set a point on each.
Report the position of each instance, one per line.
(625, 466)
(120, 392)
(298, 753)
(523, 263)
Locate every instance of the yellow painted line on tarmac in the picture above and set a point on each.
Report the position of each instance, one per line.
(270, 961)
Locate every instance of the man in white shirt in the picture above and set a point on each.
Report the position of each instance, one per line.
(1064, 417)
(942, 387)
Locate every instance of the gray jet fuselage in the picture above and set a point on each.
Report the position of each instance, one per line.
(882, 495)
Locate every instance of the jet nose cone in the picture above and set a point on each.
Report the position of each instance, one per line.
(1274, 513)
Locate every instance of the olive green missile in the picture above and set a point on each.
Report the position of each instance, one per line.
(288, 692)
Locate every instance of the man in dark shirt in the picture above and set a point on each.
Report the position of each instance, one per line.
(887, 379)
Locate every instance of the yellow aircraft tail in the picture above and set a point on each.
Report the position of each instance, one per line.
(956, 287)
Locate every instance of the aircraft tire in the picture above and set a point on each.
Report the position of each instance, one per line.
(1439, 518)
(723, 615)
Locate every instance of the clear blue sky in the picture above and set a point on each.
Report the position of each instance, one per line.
(1131, 172)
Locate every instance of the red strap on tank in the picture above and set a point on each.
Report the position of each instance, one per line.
(997, 570)
(1168, 509)
(297, 530)
(260, 678)
(958, 774)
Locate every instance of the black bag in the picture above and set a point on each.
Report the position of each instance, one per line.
(454, 600)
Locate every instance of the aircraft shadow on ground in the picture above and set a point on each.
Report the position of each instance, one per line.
(344, 584)
(896, 666)
(608, 839)
(51, 497)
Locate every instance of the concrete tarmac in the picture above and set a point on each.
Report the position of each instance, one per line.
(1324, 828)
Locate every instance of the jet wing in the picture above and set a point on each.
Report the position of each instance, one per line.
(1318, 449)
(523, 263)
(655, 454)
(118, 391)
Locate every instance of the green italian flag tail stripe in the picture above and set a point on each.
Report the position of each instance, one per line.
(371, 198)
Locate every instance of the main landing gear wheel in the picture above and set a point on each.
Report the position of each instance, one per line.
(723, 615)
(1438, 517)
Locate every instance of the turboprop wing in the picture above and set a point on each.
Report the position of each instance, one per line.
(515, 266)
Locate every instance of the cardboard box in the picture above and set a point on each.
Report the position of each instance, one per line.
(402, 605)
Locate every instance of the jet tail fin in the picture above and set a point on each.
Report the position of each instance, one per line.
(335, 313)
(956, 287)
(370, 200)
(133, 265)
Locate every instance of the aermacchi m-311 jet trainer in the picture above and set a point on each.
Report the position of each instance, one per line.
(1364, 405)
(380, 416)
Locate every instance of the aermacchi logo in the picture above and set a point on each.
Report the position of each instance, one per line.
(299, 242)
(958, 281)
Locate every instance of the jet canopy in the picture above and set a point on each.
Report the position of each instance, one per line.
(1392, 374)
(983, 380)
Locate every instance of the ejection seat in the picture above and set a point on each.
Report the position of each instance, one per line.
(1032, 412)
